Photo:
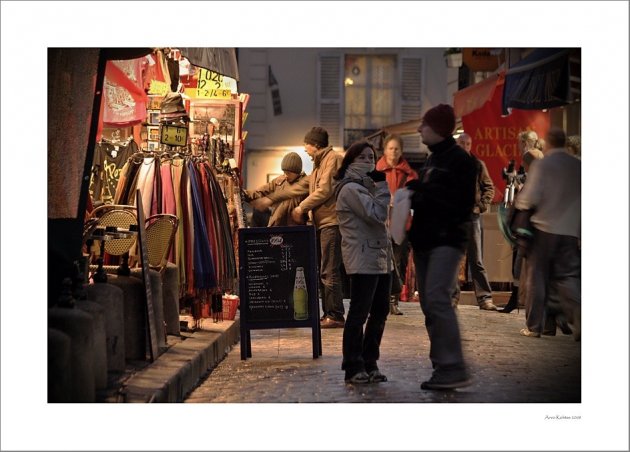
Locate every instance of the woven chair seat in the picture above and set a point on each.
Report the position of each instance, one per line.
(120, 216)
(160, 231)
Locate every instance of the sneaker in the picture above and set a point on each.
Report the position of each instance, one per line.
(487, 305)
(529, 333)
(376, 376)
(442, 382)
(360, 378)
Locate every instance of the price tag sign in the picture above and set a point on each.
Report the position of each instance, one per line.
(159, 88)
(208, 93)
(174, 135)
(207, 79)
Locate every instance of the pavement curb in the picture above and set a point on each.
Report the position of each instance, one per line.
(177, 371)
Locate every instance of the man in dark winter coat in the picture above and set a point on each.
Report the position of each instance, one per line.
(442, 203)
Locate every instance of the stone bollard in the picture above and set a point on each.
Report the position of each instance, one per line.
(111, 298)
(135, 316)
(170, 292)
(155, 280)
(59, 370)
(100, 348)
(79, 325)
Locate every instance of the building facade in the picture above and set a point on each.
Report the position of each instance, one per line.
(351, 92)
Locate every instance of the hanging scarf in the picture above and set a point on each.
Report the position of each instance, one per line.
(189, 232)
(204, 273)
(145, 183)
(209, 220)
(168, 198)
(177, 166)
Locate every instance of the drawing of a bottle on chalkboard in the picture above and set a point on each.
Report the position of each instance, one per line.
(300, 296)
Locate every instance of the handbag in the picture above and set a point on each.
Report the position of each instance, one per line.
(400, 212)
(522, 228)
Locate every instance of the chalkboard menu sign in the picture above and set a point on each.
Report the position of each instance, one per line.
(278, 280)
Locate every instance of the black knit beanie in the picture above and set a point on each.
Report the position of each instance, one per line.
(441, 119)
(317, 136)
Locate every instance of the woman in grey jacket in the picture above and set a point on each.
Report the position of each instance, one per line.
(362, 201)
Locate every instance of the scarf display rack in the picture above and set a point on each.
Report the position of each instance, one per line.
(187, 185)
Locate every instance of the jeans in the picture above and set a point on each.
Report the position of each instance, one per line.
(478, 273)
(436, 274)
(474, 253)
(369, 300)
(329, 256)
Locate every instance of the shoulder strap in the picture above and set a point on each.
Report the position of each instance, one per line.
(342, 183)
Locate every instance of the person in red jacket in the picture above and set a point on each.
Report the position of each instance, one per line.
(397, 174)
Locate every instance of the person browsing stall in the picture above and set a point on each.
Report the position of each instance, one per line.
(270, 195)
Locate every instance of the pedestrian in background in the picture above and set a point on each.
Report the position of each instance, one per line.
(530, 147)
(397, 174)
(553, 195)
(484, 193)
(294, 180)
(443, 200)
(574, 145)
(362, 206)
(528, 144)
(321, 203)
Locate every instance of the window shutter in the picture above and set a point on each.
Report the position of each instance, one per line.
(330, 95)
(411, 99)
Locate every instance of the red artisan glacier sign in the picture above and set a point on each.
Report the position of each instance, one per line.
(495, 138)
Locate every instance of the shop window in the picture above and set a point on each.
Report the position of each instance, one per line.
(360, 94)
(369, 94)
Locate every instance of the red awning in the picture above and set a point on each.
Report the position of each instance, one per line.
(474, 97)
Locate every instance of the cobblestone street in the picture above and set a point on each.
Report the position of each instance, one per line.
(506, 367)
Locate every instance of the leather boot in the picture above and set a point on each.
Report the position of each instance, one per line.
(393, 306)
(512, 302)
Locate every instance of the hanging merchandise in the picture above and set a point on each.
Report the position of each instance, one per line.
(124, 96)
(186, 185)
(110, 157)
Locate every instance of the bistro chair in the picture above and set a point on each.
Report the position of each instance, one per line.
(160, 234)
(114, 216)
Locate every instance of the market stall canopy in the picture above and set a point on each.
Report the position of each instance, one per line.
(220, 60)
(120, 53)
(403, 128)
(472, 98)
(539, 81)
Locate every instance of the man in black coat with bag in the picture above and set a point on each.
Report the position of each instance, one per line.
(442, 201)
